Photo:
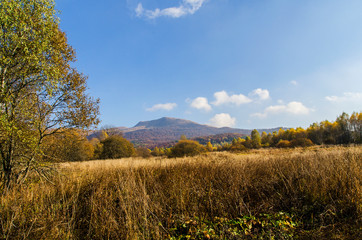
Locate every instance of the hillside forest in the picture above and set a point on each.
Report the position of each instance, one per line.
(73, 145)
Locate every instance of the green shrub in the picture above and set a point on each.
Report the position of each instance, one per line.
(187, 148)
(116, 147)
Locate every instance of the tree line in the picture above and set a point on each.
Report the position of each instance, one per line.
(344, 130)
(72, 144)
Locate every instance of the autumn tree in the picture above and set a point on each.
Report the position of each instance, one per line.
(315, 134)
(116, 147)
(68, 146)
(209, 147)
(301, 133)
(156, 152)
(167, 152)
(40, 91)
(329, 131)
(240, 140)
(255, 139)
(248, 142)
(143, 152)
(274, 139)
(343, 135)
(183, 137)
(301, 142)
(97, 148)
(355, 122)
(187, 148)
(238, 146)
(102, 135)
(266, 139)
(283, 144)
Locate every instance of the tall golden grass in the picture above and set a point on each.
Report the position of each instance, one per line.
(149, 198)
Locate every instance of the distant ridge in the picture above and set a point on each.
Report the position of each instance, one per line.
(164, 122)
(166, 131)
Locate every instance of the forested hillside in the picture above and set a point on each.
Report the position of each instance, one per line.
(165, 131)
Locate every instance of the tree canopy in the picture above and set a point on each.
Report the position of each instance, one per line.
(187, 148)
(40, 92)
(116, 147)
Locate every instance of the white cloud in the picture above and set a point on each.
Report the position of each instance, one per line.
(222, 120)
(347, 97)
(139, 10)
(162, 106)
(295, 108)
(185, 7)
(223, 98)
(201, 103)
(263, 94)
(295, 83)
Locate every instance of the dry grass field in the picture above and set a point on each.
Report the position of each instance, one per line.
(312, 193)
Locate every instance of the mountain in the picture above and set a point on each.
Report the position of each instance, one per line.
(166, 131)
(165, 122)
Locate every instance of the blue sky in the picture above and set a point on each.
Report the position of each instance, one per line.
(238, 63)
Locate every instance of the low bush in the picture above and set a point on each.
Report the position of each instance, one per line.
(283, 144)
(301, 142)
(187, 148)
(143, 152)
(116, 147)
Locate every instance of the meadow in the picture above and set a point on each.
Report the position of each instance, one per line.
(300, 193)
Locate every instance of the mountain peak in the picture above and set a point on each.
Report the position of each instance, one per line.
(166, 130)
(163, 122)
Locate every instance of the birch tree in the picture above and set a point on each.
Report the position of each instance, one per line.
(40, 91)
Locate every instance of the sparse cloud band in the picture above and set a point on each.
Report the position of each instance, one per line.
(223, 97)
(186, 7)
(162, 106)
(294, 108)
(347, 97)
